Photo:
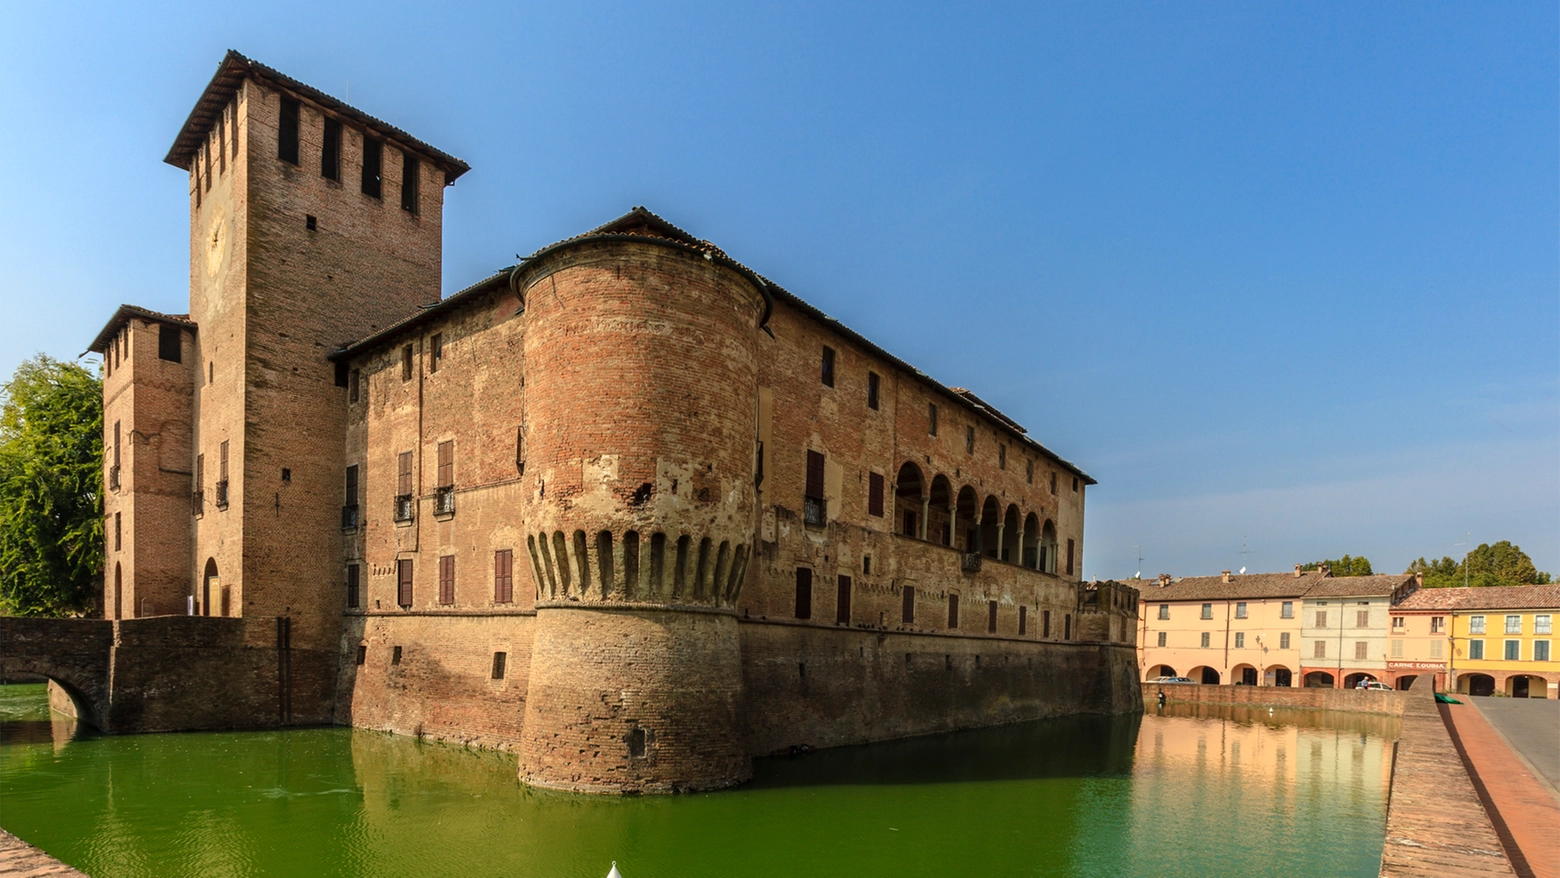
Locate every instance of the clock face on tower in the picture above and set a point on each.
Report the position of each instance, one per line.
(216, 241)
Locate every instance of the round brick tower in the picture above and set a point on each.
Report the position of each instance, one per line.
(641, 368)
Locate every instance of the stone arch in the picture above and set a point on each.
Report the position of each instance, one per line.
(940, 511)
(1353, 679)
(1030, 550)
(909, 500)
(990, 524)
(1526, 686)
(1244, 675)
(1406, 681)
(1048, 547)
(1011, 522)
(1158, 671)
(1320, 680)
(966, 531)
(1476, 684)
(209, 579)
(1279, 675)
(1204, 674)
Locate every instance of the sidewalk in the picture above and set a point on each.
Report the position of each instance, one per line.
(1520, 805)
(19, 859)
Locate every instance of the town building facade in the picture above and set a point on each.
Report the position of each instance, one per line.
(1484, 641)
(626, 508)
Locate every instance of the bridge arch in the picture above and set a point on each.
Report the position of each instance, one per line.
(71, 653)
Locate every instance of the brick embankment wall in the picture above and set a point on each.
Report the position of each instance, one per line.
(1436, 824)
(1350, 700)
(827, 687)
(18, 859)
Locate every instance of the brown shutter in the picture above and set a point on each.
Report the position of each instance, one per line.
(907, 611)
(814, 475)
(403, 576)
(404, 473)
(842, 602)
(875, 494)
(1023, 620)
(447, 579)
(803, 593)
(953, 611)
(446, 464)
(1069, 557)
(503, 576)
(991, 617)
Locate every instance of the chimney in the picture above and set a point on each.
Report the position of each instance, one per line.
(1164, 580)
(1324, 570)
(1297, 571)
(1419, 579)
(1226, 575)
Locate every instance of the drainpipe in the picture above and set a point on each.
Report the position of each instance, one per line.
(1227, 641)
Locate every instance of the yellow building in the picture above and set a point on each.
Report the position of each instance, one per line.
(1503, 641)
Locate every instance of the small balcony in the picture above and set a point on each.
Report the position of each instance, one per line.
(222, 494)
(349, 516)
(197, 503)
(970, 562)
(113, 477)
(403, 507)
(813, 510)
(444, 500)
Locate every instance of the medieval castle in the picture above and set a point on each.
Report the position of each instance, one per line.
(628, 508)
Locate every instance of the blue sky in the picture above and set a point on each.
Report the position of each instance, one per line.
(1284, 278)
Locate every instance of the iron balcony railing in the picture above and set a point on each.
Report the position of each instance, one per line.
(222, 494)
(403, 507)
(971, 563)
(198, 502)
(813, 510)
(444, 500)
(349, 516)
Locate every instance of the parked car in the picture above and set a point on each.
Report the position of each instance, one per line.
(1375, 685)
(1173, 680)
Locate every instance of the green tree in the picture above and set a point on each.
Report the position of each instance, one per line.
(1488, 565)
(1348, 565)
(51, 482)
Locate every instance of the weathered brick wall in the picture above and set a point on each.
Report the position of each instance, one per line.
(1355, 700)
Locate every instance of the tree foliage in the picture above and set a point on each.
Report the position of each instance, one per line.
(51, 482)
(1348, 565)
(1488, 565)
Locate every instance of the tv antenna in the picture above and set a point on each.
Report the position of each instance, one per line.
(1139, 551)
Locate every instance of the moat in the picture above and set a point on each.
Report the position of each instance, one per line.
(1185, 790)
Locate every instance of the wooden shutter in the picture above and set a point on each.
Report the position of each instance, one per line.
(803, 593)
(503, 576)
(1023, 619)
(907, 610)
(875, 494)
(1069, 557)
(447, 579)
(222, 461)
(404, 474)
(953, 611)
(814, 475)
(446, 464)
(842, 602)
(403, 577)
(991, 617)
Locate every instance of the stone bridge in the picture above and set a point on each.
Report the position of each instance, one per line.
(173, 673)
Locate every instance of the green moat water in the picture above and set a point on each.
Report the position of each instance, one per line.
(1188, 791)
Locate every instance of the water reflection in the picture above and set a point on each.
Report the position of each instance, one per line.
(1187, 792)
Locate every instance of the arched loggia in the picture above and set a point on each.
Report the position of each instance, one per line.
(910, 501)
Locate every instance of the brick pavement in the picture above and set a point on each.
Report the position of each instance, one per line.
(1521, 807)
(18, 859)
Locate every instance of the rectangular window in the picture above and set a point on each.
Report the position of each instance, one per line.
(199, 496)
(1053, 483)
(1163, 637)
(1067, 626)
(1321, 618)
(354, 385)
(1283, 640)
(403, 582)
(991, 617)
(1361, 649)
(170, 343)
(362, 654)
(1513, 650)
(342, 373)
(931, 419)
(875, 494)
(222, 475)
(907, 606)
(1045, 623)
(351, 495)
(116, 531)
(1069, 556)
(447, 464)
(803, 593)
(406, 363)
(1023, 620)
(1476, 649)
(866, 565)
(395, 655)
(1001, 456)
(1319, 649)
(1543, 624)
(1240, 640)
(1207, 611)
(969, 440)
(842, 601)
(1286, 610)
(500, 662)
(287, 132)
(403, 474)
(1437, 624)
(330, 152)
(1206, 637)
(503, 576)
(1513, 624)
(812, 499)
(1240, 609)
(435, 351)
(1540, 650)
(1029, 471)
(828, 366)
(1475, 624)
(354, 600)
(409, 183)
(373, 153)
(910, 528)
(953, 611)
(446, 579)
(1164, 611)
(1436, 648)
(1075, 484)
(1397, 649)
(1362, 618)
(1397, 624)
(872, 390)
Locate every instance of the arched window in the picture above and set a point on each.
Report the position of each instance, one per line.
(909, 501)
(1031, 546)
(1048, 548)
(939, 512)
(210, 583)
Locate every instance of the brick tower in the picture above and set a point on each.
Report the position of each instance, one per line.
(641, 365)
(311, 224)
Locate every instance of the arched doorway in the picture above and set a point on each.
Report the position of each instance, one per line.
(1320, 680)
(1353, 680)
(909, 490)
(1243, 675)
(966, 533)
(1158, 671)
(1404, 682)
(119, 605)
(1280, 676)
(210, 584)
(1476, 684)
(1204, 675)
(1527, 686)
(939, 513)
(1048, 548)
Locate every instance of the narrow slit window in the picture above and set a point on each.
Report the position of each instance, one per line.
(1023, 620)
(872, 390)
(875, 486)
(953, 612)
(354, 385)
(931, 419)
(991, 617)
(828, 366)
(406, 363)
(500, 660)
(969, 440)
(354, 600)
(287, 132)
(803, 593)
(842, 601)
(435, 351)
(907, 606)
(409, 183)
(373, 153)
(330, 152)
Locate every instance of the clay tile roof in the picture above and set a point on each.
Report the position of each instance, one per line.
(232, 72)
(1378, 585)
(989, 408)
(1310, 584)
(1513, 597)
(124, 314)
